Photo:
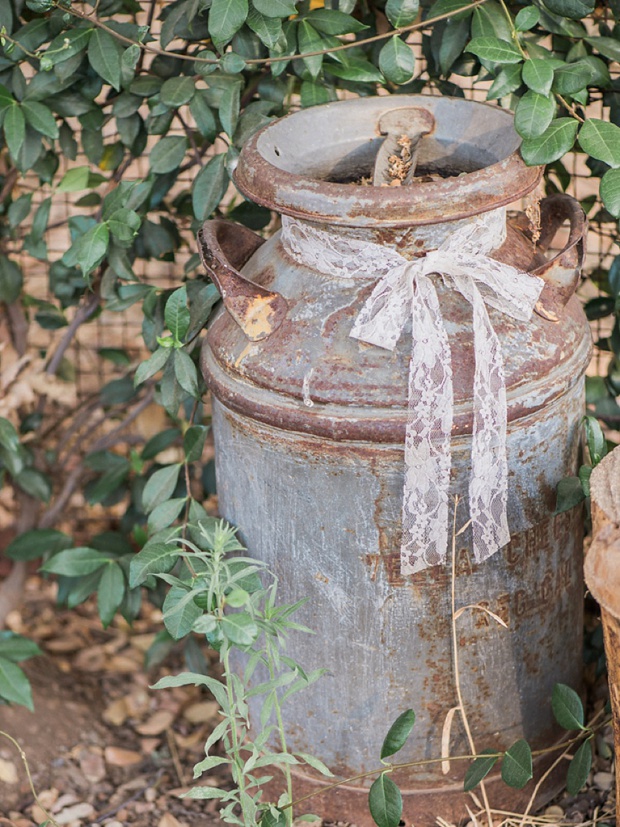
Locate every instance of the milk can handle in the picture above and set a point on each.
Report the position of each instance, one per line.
(224, 249)
(562, 273)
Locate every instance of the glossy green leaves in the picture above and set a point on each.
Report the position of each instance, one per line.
(397, 61)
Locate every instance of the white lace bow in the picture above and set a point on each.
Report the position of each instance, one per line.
(405, 290)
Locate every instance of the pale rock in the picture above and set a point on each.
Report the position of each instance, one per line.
(75, 813)
(119, 757)
(8, 772)
(158, 723)
(603, 780)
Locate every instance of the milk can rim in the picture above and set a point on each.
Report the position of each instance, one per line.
(451, 199)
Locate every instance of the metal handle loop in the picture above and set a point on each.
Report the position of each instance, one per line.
(562, 273)
(224, 248)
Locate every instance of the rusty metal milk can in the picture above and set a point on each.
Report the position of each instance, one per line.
(334, 407)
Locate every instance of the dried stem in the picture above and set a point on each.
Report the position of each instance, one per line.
(268, 60)
(22, 754)
(455, 661)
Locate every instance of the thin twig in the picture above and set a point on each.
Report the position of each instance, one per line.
(190, 137)
(22, 754)
(174, 754)
(268, 60)
(455, 661)
(83, 314)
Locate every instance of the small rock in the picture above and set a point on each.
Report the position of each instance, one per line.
(168, 820)
(157, 723)
(119, 757)
(554, 812)
(8, 772)
(201, 713)
(75, 813)
(116, 713)
(92, 766)
(603, 780)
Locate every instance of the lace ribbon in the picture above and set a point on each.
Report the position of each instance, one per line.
(406, 290)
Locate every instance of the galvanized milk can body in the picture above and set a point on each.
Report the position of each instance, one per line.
(309, 431)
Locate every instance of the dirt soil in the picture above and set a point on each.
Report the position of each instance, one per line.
(105, 749)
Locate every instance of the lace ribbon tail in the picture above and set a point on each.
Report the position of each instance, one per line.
(488, 485)
(425, 512)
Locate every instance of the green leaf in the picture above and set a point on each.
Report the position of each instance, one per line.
(194, 442)
(177, 91)
(110, 593)
(397, 61)
(229, 108)
(527, 18)
(385, 802)
(554, 143)
(180, 612)
(597, 443)
(124, 225)
(494, 50)
(310, 41)
(273, 817)
(209, 187)
(402, 12)
(610, 191)
(74, 180)
(202, 114)
(19, 210)
(507, 80)
(601, 140)
(76, 562)
(11, 280)
(355, 69)
(89, 250)
(575, 9)
(165, 514)
(451, 7)
(155, 558)
(334, 22)
(268, 29)
(398, 733)
(479, 769)
(160, 487)
(572, 78)
(607, 46)
(176, 314)
(569, 493)
(240, 629)
(538, 74)
(40, 118)
(104, 55)
(533, 114)
(35, 483)
(36, 543)
(226, 17)
(14, 685)
(275, 8)
(313, 94)
(579, 768)
(315, 763)
(517, 765)
(152, 365)
(567, 707)
(585, 472)
(14, 129)
(17, 648)
(159, 442)
(168, 153)
(186, 373)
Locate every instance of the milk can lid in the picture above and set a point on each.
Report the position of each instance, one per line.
(307, 164)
